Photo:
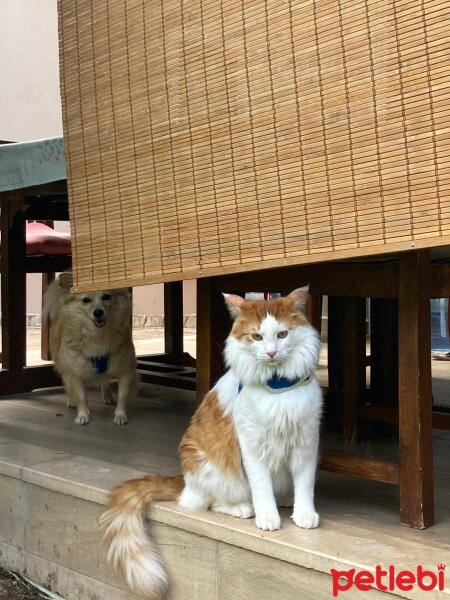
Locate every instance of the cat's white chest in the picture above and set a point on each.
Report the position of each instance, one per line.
(272, 424)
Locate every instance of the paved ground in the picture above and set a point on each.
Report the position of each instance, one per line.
(150, 340)
(147, 340)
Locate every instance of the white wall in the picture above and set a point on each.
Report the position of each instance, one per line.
(30, 105)
(147, 299)
(30, 108)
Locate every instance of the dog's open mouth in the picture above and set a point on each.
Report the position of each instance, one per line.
(99, 323)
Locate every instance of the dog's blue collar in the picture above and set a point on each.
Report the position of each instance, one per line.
(277, 385)
(100, 363)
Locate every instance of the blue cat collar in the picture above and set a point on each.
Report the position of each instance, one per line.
(278, 385)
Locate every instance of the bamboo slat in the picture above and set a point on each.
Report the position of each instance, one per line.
(214, 137)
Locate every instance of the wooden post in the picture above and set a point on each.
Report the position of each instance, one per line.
(384, 351)
(213, 325)
(415, 403)
(173, 319)
(13, 286)
(314, 310)
(335, 358)
(353, 363)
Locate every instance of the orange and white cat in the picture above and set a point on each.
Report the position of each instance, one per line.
(251, 445)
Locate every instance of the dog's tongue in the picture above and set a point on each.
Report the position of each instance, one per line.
(99, 323)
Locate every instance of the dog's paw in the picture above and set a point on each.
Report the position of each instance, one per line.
(82, 419)
(269, 521)
(120, 418)
(308, 519)
(107, 395)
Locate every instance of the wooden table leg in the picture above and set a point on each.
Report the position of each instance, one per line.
(213, 325)
(383, 351)
(415, 404)
(173, 318)
(314, 310)
(13, 291)
(335, 363)
(354, 362)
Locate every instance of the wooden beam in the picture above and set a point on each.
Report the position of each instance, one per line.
(360, 466)
(440, 281)
(385, 414)
(360, 280)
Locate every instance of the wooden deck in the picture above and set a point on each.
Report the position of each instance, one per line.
(54, 478)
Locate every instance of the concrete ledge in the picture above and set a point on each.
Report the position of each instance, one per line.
(55, 540)
(66, 582)
(49, 508)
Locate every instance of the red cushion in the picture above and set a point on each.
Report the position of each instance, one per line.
(42, 239)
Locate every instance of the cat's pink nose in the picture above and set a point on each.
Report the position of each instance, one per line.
(271, 353)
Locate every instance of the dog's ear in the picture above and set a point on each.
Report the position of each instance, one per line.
(123, 293)
(65, 280)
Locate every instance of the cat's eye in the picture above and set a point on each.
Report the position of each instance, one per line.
(86, 300)
(257, 337)
(106, 296)
(282, 334)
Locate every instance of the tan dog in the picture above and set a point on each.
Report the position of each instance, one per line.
(91, 343)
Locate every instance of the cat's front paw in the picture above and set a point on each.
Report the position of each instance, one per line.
(307, 519)
(269, 521)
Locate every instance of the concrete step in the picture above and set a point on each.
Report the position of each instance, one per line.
(50, 503)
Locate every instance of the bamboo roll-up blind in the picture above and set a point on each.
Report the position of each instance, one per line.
(212, 136)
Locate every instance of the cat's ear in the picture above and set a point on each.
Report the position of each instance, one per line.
(234, 304)
(300, 297)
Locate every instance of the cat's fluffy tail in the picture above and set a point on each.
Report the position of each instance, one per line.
(130, 549)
